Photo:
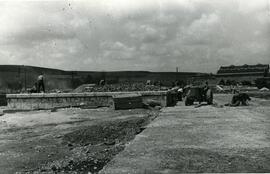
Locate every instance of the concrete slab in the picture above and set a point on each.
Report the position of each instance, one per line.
(206, 139)
(99, 99)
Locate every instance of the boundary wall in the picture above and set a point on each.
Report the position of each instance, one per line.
(94, 99)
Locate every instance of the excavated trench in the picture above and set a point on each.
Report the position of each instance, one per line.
(92, 147)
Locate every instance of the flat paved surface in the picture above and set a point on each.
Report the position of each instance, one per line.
(204, 139)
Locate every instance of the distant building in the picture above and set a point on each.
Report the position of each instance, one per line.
(244, 72)
(244, 69)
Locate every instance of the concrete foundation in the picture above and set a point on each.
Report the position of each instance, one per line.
(95, 99)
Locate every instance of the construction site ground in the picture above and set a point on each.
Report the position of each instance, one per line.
(206, 139)
(67, 141)
(177, 139)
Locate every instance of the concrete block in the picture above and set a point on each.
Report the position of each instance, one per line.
(51, 100)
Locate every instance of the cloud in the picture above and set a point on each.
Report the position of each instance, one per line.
(134, 35)
(116, 51)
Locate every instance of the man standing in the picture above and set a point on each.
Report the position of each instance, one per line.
(204, 91)
(40, 83)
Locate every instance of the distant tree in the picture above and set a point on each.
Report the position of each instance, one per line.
(246, 82)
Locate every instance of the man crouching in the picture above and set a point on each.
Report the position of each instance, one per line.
(239, 99)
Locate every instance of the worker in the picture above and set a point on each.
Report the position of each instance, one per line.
(40, 83)
(204, 91)
(239, 99)
(34, 88)
(102, 82)
(180, 94)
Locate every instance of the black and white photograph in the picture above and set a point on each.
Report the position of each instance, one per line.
(134, 86)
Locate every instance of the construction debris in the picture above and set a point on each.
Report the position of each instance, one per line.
(219, 88)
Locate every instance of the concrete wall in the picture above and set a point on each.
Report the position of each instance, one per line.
(53, 100)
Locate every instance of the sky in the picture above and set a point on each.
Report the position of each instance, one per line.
(148, 35)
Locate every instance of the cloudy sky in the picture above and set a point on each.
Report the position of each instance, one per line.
(153, 35)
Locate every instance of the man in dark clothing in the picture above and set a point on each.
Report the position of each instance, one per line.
(204, 91)
(40, 83)
(34, 88)
(238, 99)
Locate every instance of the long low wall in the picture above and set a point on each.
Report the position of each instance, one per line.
(100, 99)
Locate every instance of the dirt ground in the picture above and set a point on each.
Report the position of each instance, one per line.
(66, 141)
(179, 139)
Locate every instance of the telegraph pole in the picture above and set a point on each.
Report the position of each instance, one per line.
(24, 77)
(72, 79)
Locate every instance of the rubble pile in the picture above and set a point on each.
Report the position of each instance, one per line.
(121, 87)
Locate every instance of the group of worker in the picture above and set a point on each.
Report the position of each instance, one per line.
(238, 98)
